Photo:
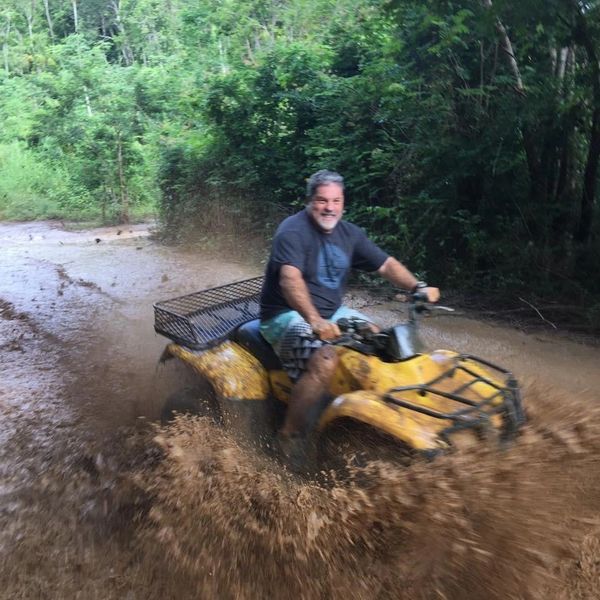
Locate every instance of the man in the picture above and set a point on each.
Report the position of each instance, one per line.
(312, 255)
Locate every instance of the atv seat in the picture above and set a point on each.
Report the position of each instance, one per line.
(248, 336)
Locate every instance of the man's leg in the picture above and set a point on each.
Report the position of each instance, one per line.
(310, 366)
(310, 391)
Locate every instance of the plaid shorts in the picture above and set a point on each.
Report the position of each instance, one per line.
(296, 346)
(293, 339)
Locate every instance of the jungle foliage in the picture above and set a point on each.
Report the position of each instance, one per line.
(468, 131)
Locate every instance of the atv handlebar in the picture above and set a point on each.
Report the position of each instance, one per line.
(419, 304)
(359, 333)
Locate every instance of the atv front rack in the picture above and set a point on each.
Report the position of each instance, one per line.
(477, 413)
(203, 319)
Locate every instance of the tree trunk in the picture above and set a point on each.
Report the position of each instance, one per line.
(562, 63)
(588, 196)
(565, 146)
(75, 17)
(122, 184)
(29, 16)
(126, 51)
(20, 43)
(49, 19)
(222, 58)
(538, 181)
(507, 47)
(103, 205)
(564, 169)
(5, 47)
(88, 104)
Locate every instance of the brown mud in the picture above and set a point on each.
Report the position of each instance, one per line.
(98, 501)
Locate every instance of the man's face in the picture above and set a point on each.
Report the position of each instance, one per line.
(326, 206)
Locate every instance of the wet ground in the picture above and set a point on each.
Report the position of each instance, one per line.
(98, 502)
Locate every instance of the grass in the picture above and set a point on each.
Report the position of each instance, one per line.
(22, 177)
(32, 188)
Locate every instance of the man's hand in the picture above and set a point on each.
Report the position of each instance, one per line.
(433, 294)
(395, 272)
(373, 328)
(325, 330)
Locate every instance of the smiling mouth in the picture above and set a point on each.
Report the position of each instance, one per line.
(327, 220)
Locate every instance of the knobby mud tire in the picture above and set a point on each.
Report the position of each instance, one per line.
(197, 400)
(347, 446)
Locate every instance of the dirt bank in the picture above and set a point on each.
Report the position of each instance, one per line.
(100, 503)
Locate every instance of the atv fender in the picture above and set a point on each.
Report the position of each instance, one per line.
(232, 371)
(404, 425)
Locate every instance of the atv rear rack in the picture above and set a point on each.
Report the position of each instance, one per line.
(474, 415)
(203, 319)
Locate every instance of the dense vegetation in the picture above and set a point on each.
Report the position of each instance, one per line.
(468, 131)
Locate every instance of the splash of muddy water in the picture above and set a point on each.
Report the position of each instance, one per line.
(99, 502)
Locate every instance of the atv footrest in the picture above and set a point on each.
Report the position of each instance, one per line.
(204, 319)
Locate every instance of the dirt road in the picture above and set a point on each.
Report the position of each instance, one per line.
(99, 503)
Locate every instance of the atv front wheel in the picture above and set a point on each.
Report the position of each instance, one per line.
(348, 444)
(197, 400)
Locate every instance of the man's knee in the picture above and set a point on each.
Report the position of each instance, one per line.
(323, 363)
(310, 393)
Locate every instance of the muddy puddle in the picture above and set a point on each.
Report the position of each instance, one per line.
(98, 502)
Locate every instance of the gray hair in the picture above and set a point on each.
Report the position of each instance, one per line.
(322, 177)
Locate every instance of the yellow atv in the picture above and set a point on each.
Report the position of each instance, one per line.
(424, 401)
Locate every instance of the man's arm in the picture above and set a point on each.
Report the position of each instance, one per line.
(296, 293)
(395, 272)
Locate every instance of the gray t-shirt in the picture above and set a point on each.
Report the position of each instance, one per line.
(325, 260)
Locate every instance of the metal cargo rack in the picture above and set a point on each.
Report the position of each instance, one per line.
(477, 412)
(204, 319)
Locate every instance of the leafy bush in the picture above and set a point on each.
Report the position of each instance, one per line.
(29, 187)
